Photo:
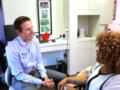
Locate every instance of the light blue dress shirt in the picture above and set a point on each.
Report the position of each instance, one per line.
(24, 58)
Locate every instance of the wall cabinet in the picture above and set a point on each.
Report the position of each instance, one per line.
(88, 7)
(82, 4)
(93, 53)
(88, 4)
(95, 4)
(106, 14)
(93, 15)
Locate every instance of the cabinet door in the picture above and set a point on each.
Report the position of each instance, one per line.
(93, 55)
(95, 4)
(84, 45)
(84, 54)
(106, 11)
(82, 4)
(83, 60)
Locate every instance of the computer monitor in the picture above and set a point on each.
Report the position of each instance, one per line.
(10, 33)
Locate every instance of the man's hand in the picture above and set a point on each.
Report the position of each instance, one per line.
(44, 83)
(49, 82)
(62, 84)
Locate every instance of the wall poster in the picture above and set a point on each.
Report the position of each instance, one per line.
(44, 16)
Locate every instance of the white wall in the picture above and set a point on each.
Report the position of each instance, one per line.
(15, 8)
(49, 58)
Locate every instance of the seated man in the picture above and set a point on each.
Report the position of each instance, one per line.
(24, 58)
(106, 74)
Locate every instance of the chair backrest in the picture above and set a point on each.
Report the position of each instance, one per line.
(8, 76)
(3, 61)
(10, 33)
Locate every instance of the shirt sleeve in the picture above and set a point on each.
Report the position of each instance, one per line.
(40, 65)
(17, 69)
(113, 83)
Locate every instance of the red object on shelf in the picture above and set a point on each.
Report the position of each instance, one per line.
(45, 36)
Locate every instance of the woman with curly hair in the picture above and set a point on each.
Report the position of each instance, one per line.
(106, 73)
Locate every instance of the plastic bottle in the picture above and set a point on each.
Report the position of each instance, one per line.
(81, 32)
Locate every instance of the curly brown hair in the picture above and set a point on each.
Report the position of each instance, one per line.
(109, 55)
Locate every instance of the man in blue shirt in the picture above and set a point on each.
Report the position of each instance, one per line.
(24, 58)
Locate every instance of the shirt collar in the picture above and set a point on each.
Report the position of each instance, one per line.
(23, 43)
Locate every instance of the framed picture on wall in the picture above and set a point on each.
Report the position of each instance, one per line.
(44, 16)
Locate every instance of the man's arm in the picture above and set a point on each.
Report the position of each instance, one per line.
(41, 68)
(40, 65)
(17, 69)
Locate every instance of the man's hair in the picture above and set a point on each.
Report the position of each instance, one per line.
(19, 21)
(109, 54)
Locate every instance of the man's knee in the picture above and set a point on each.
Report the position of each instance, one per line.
(30, 87)
(62, 76)
(19, 85)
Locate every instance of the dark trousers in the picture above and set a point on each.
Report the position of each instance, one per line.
(20, 85)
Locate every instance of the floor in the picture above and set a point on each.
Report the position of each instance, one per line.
(3, 88)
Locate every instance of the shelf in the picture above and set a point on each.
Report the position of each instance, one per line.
(83, 39)
(57, 43)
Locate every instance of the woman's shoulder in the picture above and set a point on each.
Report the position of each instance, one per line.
(113, 83)
(115, 78)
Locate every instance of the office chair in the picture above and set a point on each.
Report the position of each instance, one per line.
(83, 72)
(8, 78)
(9, 32)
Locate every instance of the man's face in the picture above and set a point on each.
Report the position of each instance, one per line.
(27, 33)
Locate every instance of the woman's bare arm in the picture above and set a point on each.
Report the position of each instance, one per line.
(80, 80)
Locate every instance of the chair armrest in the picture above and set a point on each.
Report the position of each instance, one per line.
(80, 87)
(7, 76)
(76, 86)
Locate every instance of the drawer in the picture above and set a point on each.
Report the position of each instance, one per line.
(83, 62)
(83, 54)
(53, 48)
(84, 45)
